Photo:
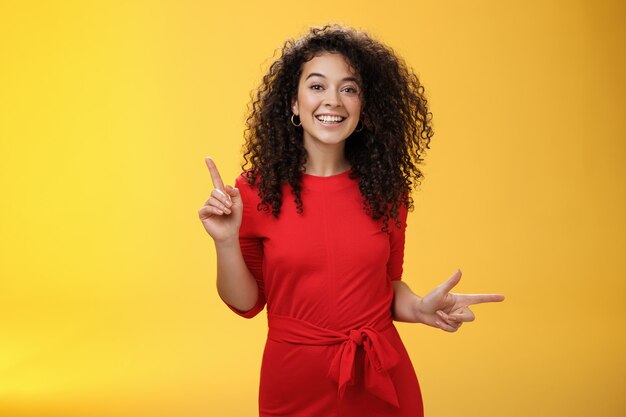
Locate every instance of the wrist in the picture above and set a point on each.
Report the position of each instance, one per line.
(417, 310)
(227, 243)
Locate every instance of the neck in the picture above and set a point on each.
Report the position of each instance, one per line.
(326, 159)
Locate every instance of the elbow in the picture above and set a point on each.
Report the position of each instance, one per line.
(242, 303)
(251, 312)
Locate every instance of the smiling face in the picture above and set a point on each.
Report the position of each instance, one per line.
(328, 101)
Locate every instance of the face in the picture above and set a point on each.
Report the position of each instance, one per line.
(329, 100)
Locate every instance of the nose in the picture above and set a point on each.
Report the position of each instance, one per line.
(332, 98)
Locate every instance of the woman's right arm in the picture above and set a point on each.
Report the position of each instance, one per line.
(221, 216)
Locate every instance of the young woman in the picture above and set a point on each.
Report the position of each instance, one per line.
(315, 228)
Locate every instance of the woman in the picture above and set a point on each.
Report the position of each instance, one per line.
(315, 229)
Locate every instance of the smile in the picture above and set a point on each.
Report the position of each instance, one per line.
(326, 119)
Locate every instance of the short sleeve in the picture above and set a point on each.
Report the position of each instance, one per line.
(396, 245)
(251, 244)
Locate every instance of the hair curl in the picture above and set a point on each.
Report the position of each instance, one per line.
(384, 156)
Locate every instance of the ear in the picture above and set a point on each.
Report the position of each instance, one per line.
(294, 106)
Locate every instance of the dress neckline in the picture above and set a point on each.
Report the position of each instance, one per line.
(327, 183)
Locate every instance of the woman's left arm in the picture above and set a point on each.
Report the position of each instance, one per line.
(439, 308)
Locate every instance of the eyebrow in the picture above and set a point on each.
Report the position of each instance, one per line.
(317, 74)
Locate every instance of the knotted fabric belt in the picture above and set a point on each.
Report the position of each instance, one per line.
(380, 355)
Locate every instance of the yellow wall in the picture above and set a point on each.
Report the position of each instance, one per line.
(107, 294)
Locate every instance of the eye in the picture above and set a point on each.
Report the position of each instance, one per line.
(316, 87)
(351, 90)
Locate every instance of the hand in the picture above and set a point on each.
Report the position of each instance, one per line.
(447, 311)
(221, 213)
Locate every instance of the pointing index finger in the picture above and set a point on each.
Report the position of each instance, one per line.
(215, 175)
(482, 298)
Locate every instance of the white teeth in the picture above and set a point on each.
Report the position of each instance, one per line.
(329, 119)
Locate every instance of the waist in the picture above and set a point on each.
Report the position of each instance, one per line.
(380, 354)
(292, 330)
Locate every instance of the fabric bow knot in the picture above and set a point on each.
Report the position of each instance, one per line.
(380, 358)
(380, 355)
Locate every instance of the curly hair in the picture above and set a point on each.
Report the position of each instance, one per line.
(384, 155)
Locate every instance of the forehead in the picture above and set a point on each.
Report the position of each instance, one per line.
(329, 65)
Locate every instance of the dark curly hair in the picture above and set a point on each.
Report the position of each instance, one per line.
(384, 155)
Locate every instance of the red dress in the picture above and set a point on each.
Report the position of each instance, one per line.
(332, 349)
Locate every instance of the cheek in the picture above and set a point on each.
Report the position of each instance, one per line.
(354, 105)
(307, 103)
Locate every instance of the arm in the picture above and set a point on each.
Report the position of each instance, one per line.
(235, 284)
(221, 216)
(439, 308)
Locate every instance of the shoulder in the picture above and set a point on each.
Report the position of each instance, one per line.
(247, 188)
(244, 180)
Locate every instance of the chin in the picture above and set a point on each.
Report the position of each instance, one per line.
(329, 140)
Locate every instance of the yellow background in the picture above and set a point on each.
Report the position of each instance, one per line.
(108, 304)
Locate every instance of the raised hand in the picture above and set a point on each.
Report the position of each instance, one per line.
(221, 213)
(447, 311)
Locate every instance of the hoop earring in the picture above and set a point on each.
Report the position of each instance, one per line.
(294, 123)
(362, 127)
